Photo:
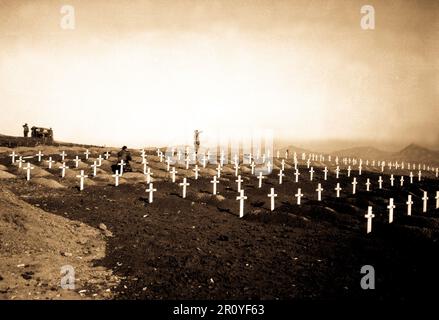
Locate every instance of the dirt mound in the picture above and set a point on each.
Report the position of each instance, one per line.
(52, 184)
(39, 172)
(31, 263)
(6, 175)
(4, 168)
(134, 177)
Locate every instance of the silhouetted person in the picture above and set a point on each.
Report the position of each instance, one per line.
(197, 140)
(124, 155)
(25, 130)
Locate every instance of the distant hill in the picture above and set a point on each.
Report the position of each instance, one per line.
(363, 153)
(411, 153)
(416, 153)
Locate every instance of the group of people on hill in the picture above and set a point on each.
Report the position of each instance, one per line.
(37, 132)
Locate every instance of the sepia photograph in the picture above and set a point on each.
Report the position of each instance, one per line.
(219, 157)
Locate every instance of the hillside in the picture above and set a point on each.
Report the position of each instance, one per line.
(35, 244)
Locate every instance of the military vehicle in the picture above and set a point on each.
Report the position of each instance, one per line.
(46, 134)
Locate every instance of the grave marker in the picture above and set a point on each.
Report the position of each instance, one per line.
(151, 191)
(369, 216)
(241, 199)
(184, 184)
(391, 206)
(81, 176)
(272, 195)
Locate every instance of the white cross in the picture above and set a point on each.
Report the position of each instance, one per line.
(326, 173)
(269, 166)
(82, 177)
(161, 156)
(424, 198)
(28, 168)
(151, 191)
(409, 205)
(215, 182)
(218, 170)
(236, 169)
(319, 192)
(39, 155)
(87, 153)
(349, 171)
(63, 169)
(311, 173)
(338, 189)
(50, 161)
(20, 161)
(94, 166)
(337, 172)
(148, 174)
(392, 179)
(437, 199)
(419, 175)
(391, 206)
(121, 165)
(297, 174)
(368, 184)
(354, 185)
(253, 167)
(204, 160)
(107, 155)
(359, 169)
(239, 180)
(380, 182)
(281, 174)
(100, 160)
(63, 155)
(116, 177)
(178, 155)
(168, 163)
(13, 155)
(158, 152)
(260, 177)
(283, 164)
(411, 177)
(402, 181)
(77, 161)
(187, 160)
(196, 170)
(369, 216)
(222, 158)
(308, 163)
(299, 195)
(272, 195)
(173, 172)
(184, 184)
(241, 199)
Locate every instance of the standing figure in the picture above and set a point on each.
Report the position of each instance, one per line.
(197, 140)
(25, 130)
(124, 155)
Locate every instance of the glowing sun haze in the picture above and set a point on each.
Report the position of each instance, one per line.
(150, 72)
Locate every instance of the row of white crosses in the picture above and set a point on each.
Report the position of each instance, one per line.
(391, 207)
(242, 197)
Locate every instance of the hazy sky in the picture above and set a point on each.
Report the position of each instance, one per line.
(150, 72)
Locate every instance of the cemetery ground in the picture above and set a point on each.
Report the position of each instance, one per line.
(123, 247)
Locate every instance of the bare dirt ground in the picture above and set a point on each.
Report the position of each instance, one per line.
(122, 247)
